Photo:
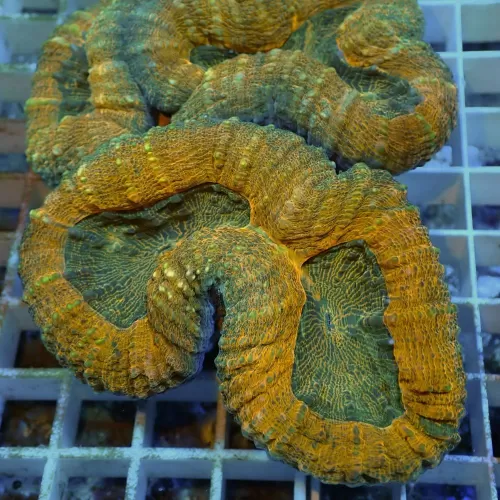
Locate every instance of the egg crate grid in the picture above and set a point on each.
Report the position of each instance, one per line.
(467, 34)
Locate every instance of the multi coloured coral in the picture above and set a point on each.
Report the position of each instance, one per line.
(338, 349)
(65, 121)
(109, 257)
(393, 115)
(156, 38)
(338, 340)
(317, 37)
(60, 88)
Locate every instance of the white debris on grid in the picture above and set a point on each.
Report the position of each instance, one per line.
(488, 282)
(483, 157)
(443, 216)
(12, 110)
(443, 158)
(474, 156)
(488, 287)
(451, 279)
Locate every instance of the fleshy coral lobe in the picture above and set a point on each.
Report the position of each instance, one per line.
(311, 235)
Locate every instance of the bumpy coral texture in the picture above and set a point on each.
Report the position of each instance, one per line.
(342, 260)
(392, 112)
(65, 120)
(394, 115)
(317, 38)
(156, 38)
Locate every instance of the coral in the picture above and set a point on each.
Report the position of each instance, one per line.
(338, 349)
(160, 36)
(109, 257)
(317, 37)
(59, 88)
(64, 121)
(393, 115)
(207, 56)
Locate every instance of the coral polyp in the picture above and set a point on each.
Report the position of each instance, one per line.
(329, 282)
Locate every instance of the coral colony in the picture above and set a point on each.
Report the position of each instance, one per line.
(247, 149)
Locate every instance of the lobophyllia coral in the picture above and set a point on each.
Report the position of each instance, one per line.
(393, 115)
(338, 349)
(316, 38)
(65, 120)
(156, 38)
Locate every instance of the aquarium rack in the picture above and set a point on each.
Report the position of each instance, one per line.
(467, 35)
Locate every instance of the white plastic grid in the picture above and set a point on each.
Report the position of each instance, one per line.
(467, 34)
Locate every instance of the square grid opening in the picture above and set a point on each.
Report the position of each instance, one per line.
(183, 440)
